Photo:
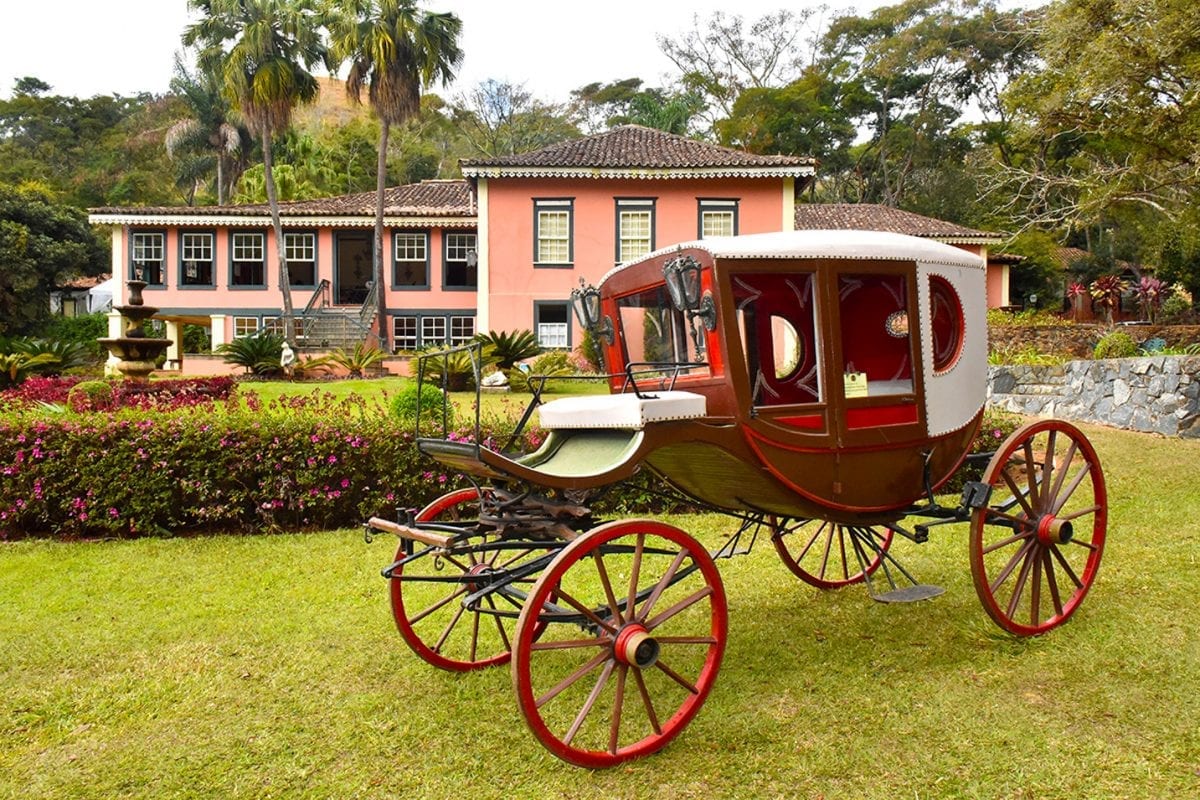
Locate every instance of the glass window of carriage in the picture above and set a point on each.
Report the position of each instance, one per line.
(777, 322)
(876, 336)
(654, 331)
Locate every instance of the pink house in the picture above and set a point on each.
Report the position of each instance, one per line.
(499, 250)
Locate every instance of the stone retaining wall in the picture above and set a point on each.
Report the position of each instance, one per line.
(1158, 394)
(1080, 340)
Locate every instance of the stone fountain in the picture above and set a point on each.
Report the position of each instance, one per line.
(136, 353)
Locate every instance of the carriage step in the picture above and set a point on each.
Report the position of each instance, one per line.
(910, 594)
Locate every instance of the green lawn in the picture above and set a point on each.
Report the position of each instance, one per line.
(269, 667)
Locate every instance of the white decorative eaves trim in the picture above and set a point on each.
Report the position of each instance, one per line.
(643, 173)
(309, 221)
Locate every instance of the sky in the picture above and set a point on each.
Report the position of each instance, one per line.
(548, 46)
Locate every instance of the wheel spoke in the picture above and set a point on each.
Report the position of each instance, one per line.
(1018, 495)
(461, 567)
(1048, 468)
(686, 602)
(811, 541)
(1070, 490)
(474, 634)
(1011, 565)
(569, 681)
(842, 548)
(614, 730)
(991, 548)
(1065, 470)
(413, 620)
(675, 676)
(570, 644)
(1066, 567)
(661, 586)
(634, 575)
(598, 558)
(1022, 577)
(587, 612)
(1035, 594)
(647, 702)
(685, 639)
(1052, 583)
(592, 697)
(1031, 474)
(499, 623)
(1080, 513)
(437, 648)
(833, 530)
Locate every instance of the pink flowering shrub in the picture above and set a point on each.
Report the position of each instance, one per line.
(164, 395)
(299, 463)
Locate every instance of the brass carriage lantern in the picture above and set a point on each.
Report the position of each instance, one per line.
(683, 283)
(586, 302)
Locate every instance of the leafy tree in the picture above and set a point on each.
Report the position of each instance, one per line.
(272, 45)
(209, 139)
(624, 102)
(500, 118)
(395, 50)
(721, 57)
(43, 244)
(1180, 255)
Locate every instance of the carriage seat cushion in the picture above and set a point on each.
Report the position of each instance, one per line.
(621, 411)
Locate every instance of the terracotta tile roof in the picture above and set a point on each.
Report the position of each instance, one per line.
(433, 198)
(86, 282)
(874, 217)
(633, 147)
(1066, 258)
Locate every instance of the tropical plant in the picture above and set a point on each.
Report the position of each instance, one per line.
(66, 355)
(16, 367)
(1106, 291)
(265, 73)
(395, 50)
(1076, 292)
(259, 354)
(210, 139)
(506, 349)
(453, 370)
(1150, 293)
(362, 358)
(555, 364)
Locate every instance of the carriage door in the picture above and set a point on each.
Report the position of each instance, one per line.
(879, 372)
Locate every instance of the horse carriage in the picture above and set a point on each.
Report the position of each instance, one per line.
(817, 387)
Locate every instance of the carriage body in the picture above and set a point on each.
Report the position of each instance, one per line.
(841, 372)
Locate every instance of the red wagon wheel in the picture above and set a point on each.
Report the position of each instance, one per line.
(822, 553)
(427, 597)
(632, 619)
(1036, 546)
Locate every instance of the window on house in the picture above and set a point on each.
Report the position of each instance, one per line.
(404, 333)
(635, 229)
(274, 326)
(718, 218)
(552, 232)
(462, 330)
(248, 266)
(197, 257)
(411, 263)
(552, 322)
(69, 307)
(244, 326)
(301, 252)
(149, 259)
(462, 261)
(433, 331)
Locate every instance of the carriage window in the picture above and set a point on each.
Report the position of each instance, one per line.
(653, 330)
(946, 321)
(876, 348)
(776, 318)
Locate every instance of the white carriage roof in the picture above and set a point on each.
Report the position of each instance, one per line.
(844, 244)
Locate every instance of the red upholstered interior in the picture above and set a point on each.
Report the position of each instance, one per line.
(768, 304)
(867, 301)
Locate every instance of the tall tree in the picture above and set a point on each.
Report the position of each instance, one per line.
(395, 50)
(264, 50)
(210, 139)
(42, 245)
(499, 118)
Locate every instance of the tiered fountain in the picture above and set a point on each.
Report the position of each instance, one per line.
(136, 352)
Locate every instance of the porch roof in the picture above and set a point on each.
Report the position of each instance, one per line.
(875, 217)
(443, 203)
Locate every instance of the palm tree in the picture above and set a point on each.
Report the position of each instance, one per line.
(272, 45)
(210, 137)
(395, 50)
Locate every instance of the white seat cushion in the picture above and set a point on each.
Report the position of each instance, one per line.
(626, 411)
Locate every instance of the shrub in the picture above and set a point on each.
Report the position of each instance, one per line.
(163, 395)
(553, 364)
(995, 427)
(506, 349)
(259, 354)
(90, 396)
(425, 400)
(64, 355)
(1115, 344)
(359, 360)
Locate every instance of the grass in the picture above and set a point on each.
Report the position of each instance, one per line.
(269, 667)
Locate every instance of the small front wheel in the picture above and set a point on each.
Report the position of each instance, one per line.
(632, 624)
(1036, 546)
(827, 554)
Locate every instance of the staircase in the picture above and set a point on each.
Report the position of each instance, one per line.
(329, 328)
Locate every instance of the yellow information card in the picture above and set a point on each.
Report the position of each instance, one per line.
(856, 384)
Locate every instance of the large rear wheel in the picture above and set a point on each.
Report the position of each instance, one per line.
(1036, 546)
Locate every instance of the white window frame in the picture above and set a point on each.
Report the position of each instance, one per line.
(406, 339)
(460, 248)
(196, 249)
(300, 247)
(245, 326)
(148, 248)
(462, 329)
(712, 210)
(249, 247)
(410, 247)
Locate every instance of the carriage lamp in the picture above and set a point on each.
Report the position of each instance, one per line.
(586, 302)
(683, 284)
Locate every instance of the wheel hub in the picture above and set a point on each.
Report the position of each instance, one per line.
(1052, 530)
(636, 647)
(478, 569)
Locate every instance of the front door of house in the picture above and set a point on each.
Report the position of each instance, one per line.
(352, 267)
